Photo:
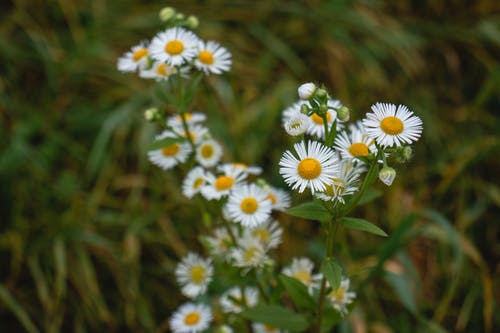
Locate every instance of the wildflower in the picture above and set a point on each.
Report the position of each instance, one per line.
(292, 111)
(343, 114)
(248, 205)
(317, 127)
(170, 155)
(242, 167)
(342, 296)
(159, 71)
(249, 253)
(355, 145)
(343, 184)
(191, 318)
(192, 22)
(208, 153)
(390, 125)
(175, 46)
(194, 274)
(302, 270)
(166, 13)
(268, 233)
(193, 118)
(134, 59)
(280, 199)
(313, 169)
(212, 58)
(194, 181)
(220, 242)
(261, 328)
(387, 175)
(297, 125)
(219, 186)
(197, 133)
(233, 301)
(306, 90)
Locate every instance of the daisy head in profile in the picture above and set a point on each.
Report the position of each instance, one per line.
(248, 204)
(234, 301)
(175, 46)
(345, 182)
(171, 154)
(194, 274)
(267, 233)
(212, 58)
(193, 182)
(280, 199)
(341, 297)
(302, 270)
(136, 58)
(392, 125)
(313, 166)
(191, 318)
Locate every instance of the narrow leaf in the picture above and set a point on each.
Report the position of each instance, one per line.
(297, 292)
(165, 142)
(332, 272)
(369, 195)
(311, 210)
(363, 225)
(11, 303)
(277, 316)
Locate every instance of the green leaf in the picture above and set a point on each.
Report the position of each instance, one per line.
(277, 316)
(297, 292)
(403, 289)
(332, 272)
(369, 195)
(158, 144)
(311, 210)
(363, 225)
(13, 305)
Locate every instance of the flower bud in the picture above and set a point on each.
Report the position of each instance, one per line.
(304, 109)
(306, 90)
(224, 329)
(166, 14)
(297, 125)
(180, 16)
(150, 114)
(192, 22)
(343, 113)
(321, 94)
(387, 175)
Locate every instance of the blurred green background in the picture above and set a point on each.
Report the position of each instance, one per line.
(90, 232)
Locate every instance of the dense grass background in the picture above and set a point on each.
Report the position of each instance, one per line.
(91, 231)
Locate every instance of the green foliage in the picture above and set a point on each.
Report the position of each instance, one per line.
(91, 233)
(361, 224)
(276, 316)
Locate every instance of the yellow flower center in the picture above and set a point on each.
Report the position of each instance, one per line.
(223, 183)
(198, 182)
(303, 276)
(198, 274)
(170, 150)
(206, 57)
(358, 149)
(338, 294)
(309, 168)
(250, 253)
(273, 198)
(391, 125)
(249, 205)
(207, 151)
(318, 120)
(162, 70)
(139, 54)
(174, 47)
(192, 318)
(262, 234)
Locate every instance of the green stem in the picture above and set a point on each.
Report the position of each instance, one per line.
(367, 182)
(332, 228)
(261, 287)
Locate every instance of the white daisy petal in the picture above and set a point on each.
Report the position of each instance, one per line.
(212, 58)
(191, 318)
(248, 205)
(171, 155)
(194, 274)
(134, 59)
(209, 153)
(193, 182)
(175, 46)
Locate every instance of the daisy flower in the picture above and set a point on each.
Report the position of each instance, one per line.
(191, 318)
(247, 169)
(268, 233)
(292, 112)
(233, 301)
(196, 132)
(261, 328)
(315, 166)
(280, 199)
(250, 253)
(355, 145)
(194, 181)
(212, 58)
(175, 46)
(302, 270)
(194, 274)
(297, 124)
(341, 297)
(170, 155)
(220, 242)
(193, 118)
(160, 71)
(248, 205)
(208, 153)
(392, 125)
(344, 183)
(219, 186)
(317, 127)
(136, 58)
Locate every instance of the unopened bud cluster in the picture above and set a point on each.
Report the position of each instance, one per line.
(173, 18)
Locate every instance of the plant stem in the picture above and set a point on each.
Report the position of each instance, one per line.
(332, 227)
